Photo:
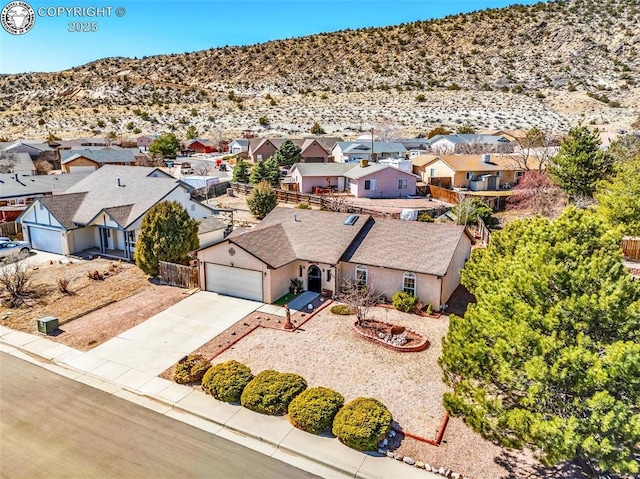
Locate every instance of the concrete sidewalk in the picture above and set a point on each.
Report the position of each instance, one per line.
(270, 435)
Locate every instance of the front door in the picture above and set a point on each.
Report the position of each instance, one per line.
(104, 240)
(315, 279)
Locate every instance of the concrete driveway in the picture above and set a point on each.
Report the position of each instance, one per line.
(138, 355)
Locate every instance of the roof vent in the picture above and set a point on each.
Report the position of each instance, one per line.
(486, 158)
(350, 221)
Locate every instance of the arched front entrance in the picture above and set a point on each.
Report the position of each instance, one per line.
(314, 279)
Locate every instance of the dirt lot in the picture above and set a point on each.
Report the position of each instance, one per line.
(121, 280)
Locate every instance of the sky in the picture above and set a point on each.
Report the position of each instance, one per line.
(146, 28)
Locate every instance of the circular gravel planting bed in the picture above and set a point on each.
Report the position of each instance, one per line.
(391, 336)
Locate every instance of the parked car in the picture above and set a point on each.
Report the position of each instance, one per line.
(7, 248)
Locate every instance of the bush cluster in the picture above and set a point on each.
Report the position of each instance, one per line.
(404, 301)
(314, 409)
(226, 381)
(362, 424)
(341, 309)
(271, 392)
(191, 369)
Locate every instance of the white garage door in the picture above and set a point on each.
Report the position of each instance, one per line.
(241, 283)
(82, 169)
(45, 240)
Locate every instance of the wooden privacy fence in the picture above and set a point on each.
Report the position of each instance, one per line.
(178, 275)
(211, 191)
(631, 248)
(10, 229)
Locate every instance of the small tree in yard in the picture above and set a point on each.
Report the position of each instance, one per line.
(287, 154)
(262, 200)
(165, 146)
(537, 193)
(241, 172)
(360, 298)
(14, 279)
(167, 233)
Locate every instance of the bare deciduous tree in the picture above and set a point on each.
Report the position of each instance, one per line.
(43, 167)
(387, 129)
(361, 298)
(7, 162)
(536, 192)
(15, 278)
(336, 203)
(535, 150)
(202, 168)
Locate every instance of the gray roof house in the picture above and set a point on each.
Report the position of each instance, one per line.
(346, 151)
(469, 144)
(320, 248)
(88, 160)
(33, 147)
(20, 163)
(104, 211)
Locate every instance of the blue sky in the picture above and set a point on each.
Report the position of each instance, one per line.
(173, 26)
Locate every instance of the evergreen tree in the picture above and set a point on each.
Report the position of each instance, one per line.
(259, 173)
(165, 146)
(549, 356)
(469, 210)
(273, 172)
(262, 200)
(241, 172)
(619, 198)
(167, 233)
(288, 153)
(580, 163)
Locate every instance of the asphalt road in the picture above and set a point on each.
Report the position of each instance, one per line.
(52, 427)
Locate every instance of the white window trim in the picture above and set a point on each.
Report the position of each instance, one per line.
(432, 173)
(403, 184)
(372, 185)
(409, 275)
(362, 269)
(469, 175)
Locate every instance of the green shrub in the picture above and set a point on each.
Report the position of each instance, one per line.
(404, 301)
(314, 409)
(226, 381)
(191, 369)
(271, 392)
(303, 206)
(341, 309)
(362, 424)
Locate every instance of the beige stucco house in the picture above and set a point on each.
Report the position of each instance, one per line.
(321, 248)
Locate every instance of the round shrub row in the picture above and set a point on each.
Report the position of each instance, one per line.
(341, 309)
(362, 424)
(271, 392)
(314, 409)
(191, 369)
(226, 381)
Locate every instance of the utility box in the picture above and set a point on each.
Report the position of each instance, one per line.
(47, 325)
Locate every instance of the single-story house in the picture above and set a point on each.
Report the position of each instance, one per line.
(18, 163)
(34, 148)
(362, 180)
(104, 211)
(516, 136)
(144, 141)
(261, 149)
(346, 151)
(211, 231)
(200, 145)
(323, 248)
(474, 172)
(18, 191)
(313, 151)
(239, 146)
(75, 161)
(95, 141)
(469, 144)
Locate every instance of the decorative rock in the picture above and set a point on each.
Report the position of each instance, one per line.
(409, 460)
(381, 451)
(384, 442)
(443, 471)
(390, 454)
(419, 464)
(392, 433)
(427, 467)
(397, 456)
(456, 475)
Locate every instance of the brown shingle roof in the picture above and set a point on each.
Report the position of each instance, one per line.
(64, 207)
(407, 246)
(475, 163)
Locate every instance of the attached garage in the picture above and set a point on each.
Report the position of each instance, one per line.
(43, 239)
(238, 282)
(81, 169)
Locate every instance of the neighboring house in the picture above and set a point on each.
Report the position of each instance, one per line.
(211, 231)
(76, 161)
(144, 141)
(17, 192)
(37, 150)
(104, 211)
(86, 142)
(239, 146)
(474, 172)
(469, 144)
(19, 163)
(323, 248)
(200, 145)
(346, 151)
(313, 151)
(362, 180)
(419, 162)
(516, 136)
(413, 143)
(261, 149)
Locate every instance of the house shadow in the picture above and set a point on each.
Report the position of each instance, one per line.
(518, 467)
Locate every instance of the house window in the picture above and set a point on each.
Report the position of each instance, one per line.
(193, 207)
(409, 283)
(469, 175)
(499, 174)
(131, 237)
(403, 183)
(259, 157)
(328, 275)
(432, 172)
(370, 185)
(362, 275)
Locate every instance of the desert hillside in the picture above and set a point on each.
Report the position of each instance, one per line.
(550, 64)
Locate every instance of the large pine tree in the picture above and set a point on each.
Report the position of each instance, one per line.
(549, 356)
